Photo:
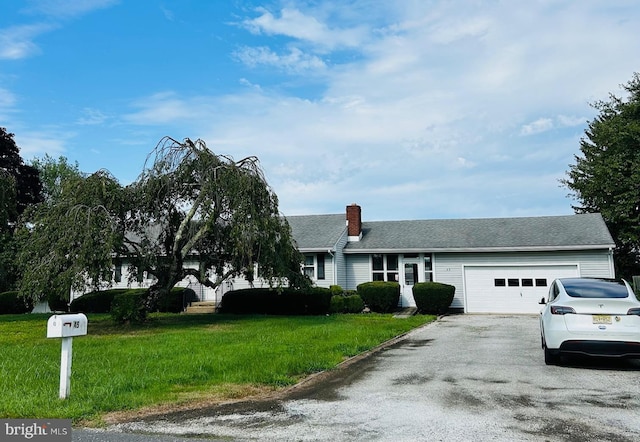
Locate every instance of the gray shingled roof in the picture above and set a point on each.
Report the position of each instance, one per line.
(549, 232)
(317, 232)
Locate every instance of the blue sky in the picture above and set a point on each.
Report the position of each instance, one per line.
(413, 109)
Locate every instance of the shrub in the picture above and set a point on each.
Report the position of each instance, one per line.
(313, 301)
(96, 302)
(11, 303)
(176, 300)
(336, 290)
(380, 296)
(337, 304)
(353, 304)
(433, 297)
(128, 307)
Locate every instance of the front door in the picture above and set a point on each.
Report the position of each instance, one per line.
(409, 279)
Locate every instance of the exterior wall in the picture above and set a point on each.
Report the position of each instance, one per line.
(449, 267)
(202, 292)
(358, 270)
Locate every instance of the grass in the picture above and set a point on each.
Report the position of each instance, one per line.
(175, 359)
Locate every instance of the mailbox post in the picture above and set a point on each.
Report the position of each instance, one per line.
(66, 327)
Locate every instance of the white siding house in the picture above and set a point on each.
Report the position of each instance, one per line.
(497, 265)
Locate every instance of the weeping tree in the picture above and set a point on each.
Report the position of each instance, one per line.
(190, 213)
(193, 206)
(68, 243)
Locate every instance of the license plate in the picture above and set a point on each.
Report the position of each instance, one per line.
(602, 319)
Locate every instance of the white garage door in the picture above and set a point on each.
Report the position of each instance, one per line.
(510, 289)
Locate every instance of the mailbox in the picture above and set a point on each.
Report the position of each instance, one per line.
(66, 326)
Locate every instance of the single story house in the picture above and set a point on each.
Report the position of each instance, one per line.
(497, 265)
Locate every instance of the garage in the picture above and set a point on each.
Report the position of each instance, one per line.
(510, 289)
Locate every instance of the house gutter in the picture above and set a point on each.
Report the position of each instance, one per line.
(353, 251)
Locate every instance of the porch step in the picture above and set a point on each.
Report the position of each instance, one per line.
(201, 307)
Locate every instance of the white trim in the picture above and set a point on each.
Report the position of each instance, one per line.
(481, 249)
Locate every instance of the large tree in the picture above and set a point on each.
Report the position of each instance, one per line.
(20, 187)
(194, 205)
(606, 177)
(54, 174)
(188, 205)
(68, 242)
(28, 188)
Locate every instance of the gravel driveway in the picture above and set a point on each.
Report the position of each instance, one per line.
(462, 378)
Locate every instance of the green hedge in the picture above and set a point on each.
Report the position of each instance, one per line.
(433, 297)
(98, 301)
(337, 304)
(312, 301)
(380, 296)
(353, 304)
(11, 303)
(346, 304)
(128, 307)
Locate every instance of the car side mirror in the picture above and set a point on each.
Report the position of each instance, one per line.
(542, 302)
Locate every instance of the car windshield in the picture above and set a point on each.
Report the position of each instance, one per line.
(595, 288)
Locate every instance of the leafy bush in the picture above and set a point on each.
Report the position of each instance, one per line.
(346, 304)
(128, 307)
(353, 304)
(289, 301)
(12, 303)
(433, 297)
(337, 304)
(380, 296)
(96, 302)
(336, 290)
(176, 300)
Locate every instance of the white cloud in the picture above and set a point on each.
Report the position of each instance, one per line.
(295, 24)
(91, 117)
(7, 99)
(295, 61)
(538, 126)
(16, 41)
(37, 144)
(161, 108)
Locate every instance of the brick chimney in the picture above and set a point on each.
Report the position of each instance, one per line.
(354, 222)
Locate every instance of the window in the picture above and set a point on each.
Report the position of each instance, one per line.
(117, 274)
(428, 268)
(314, 266)
(384, 267)
(320, 258)
(541, 282)
(513, 282)
(500, 282)
(309, 269)
(527, 282)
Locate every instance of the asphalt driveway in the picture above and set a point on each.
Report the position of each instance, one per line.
(465, 377)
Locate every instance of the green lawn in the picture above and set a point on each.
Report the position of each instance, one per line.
(175, 358)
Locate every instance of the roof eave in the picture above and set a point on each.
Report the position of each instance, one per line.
(483, 249)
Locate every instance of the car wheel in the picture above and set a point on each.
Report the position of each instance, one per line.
(550, 357)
